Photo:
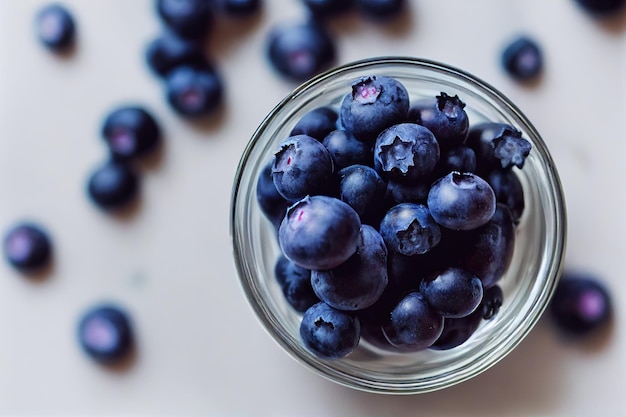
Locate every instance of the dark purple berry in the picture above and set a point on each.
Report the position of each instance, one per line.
(298, 51)
(302, 166)
(509, 191)
(482, 139)
(522, 58)
(316, 123)
(412, 325)
(170, 51)
(409, 229)
(375, 103)
(444, 116)
(346, 149)
(488, 250)
(273, 205)
(452, 292)
(320, 232)
(190, 19)
(105, 333)
(130, 132)
(511, 151)
(406, 152)
(113, 185)
(362, 188)
(457, 331)
(27, 246)
(461, 201)
(358, 282)
(493, 298)
(329, 333)
(581, 304)
(55, 27)
(295, 282)
(194, 92)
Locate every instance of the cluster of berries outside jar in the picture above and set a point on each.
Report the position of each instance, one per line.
(527, 283)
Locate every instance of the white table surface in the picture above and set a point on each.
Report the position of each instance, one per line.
(201, 351)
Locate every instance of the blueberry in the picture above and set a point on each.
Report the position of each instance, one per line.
(409, 229)
(581, 304)
(362, 188)
(346, 149)
(481, 139)
(358, 282)
(461, 201)
(194, 92)
(105, 333)
(272, 204)
(511, 151)
(295, 283)
(412, 325)
(55, 27)
(457, 331)
(460, 158)
(316, 123)
(27, 246)
(380, 9)
(452, 292)
(489, 249)
(319, 232)
(170, 51)
(329, 333)
(302, 166)
(522, 58)
(601, 8)
(445, 116)
(130, 132)
(239, 8)
(491, 302)
(323, 9)
(406, 192)
(190, 19)
(508, 190)
(375, 103)
(406, 151)
(113, 185)
(298, 51)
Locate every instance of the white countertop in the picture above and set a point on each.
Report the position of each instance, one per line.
(201, 350)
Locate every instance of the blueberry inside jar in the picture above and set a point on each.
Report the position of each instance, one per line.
(432, 215)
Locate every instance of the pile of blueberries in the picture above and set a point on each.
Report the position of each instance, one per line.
(390, 226)
(395, 219)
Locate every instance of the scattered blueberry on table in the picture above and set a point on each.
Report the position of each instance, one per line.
(191, 19)
(55, 27)
(130, 131)
(300, 50)
(522, 58)
(105, 333)
(581, 304)
(169, 51)
(113, 185)
(194, 91)
(27, 246)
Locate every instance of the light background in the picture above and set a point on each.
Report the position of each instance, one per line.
(201, 351)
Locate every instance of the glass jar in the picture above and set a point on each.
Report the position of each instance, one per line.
(528, 283)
